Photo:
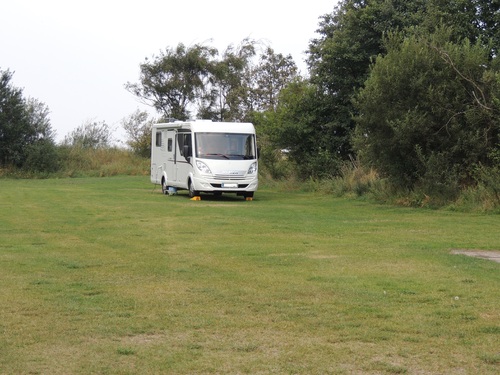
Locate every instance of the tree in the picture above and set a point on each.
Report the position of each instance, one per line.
(195, 80)
(272, 74)
(138, 128)
(351, 38)
(38, 117)
(174, 80)
(15, 131)
(339, 60)
(227, 91)
(24, 130)
(41, 152)
(90, 135)
(312, 146)
(428, 112)
(475, 20)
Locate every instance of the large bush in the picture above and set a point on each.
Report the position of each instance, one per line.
(428, 112)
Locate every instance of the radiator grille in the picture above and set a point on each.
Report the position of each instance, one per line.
(229, 175)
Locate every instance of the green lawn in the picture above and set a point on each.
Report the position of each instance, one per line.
(108, 276)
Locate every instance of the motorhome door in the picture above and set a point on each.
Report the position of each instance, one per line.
(171, 167)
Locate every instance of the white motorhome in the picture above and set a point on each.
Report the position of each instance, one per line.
(205, 156)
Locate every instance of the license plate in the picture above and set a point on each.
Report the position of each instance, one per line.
(229, 185)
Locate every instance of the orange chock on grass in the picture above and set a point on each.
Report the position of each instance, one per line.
(197, 198)
(249, 199)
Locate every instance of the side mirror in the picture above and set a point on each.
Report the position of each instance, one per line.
(186, 151)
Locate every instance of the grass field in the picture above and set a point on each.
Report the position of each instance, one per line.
(108, 276)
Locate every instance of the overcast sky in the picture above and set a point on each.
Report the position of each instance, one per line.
(76, 56)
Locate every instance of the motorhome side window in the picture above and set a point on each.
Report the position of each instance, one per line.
(169, 142)
(184, 139)
(158, 139)
(250, 147)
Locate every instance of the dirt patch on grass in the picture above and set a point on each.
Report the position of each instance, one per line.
(143, 339)
(493, 255)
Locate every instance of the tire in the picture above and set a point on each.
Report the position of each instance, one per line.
(248, 195)
(192, 192)
(164, 187)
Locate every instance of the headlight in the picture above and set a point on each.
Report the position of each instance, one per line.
(252, 169)
(203, 167)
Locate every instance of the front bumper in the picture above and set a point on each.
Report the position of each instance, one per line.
(225, 186)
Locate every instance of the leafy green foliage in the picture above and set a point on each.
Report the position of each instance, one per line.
(42, 156)
(172, 80)
(26, 136)
(313, 147)
(356, 33)
(339, 61)
(227, 94)
(91, 135)
(138, 128)
(14, 125)
(428, 112)
(271, 75)
(194, 81)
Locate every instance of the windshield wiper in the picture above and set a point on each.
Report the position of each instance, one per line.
(223, 155)
(243, 157)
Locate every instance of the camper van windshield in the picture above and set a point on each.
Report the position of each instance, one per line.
(225, 146)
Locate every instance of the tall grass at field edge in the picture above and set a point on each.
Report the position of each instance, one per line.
(87, 162)
(358, 182)
(81, 162)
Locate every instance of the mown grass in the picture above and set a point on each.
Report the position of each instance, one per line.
(108, 276)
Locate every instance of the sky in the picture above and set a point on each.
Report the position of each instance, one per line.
(76, 56)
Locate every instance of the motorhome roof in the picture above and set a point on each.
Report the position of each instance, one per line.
(209, 126)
